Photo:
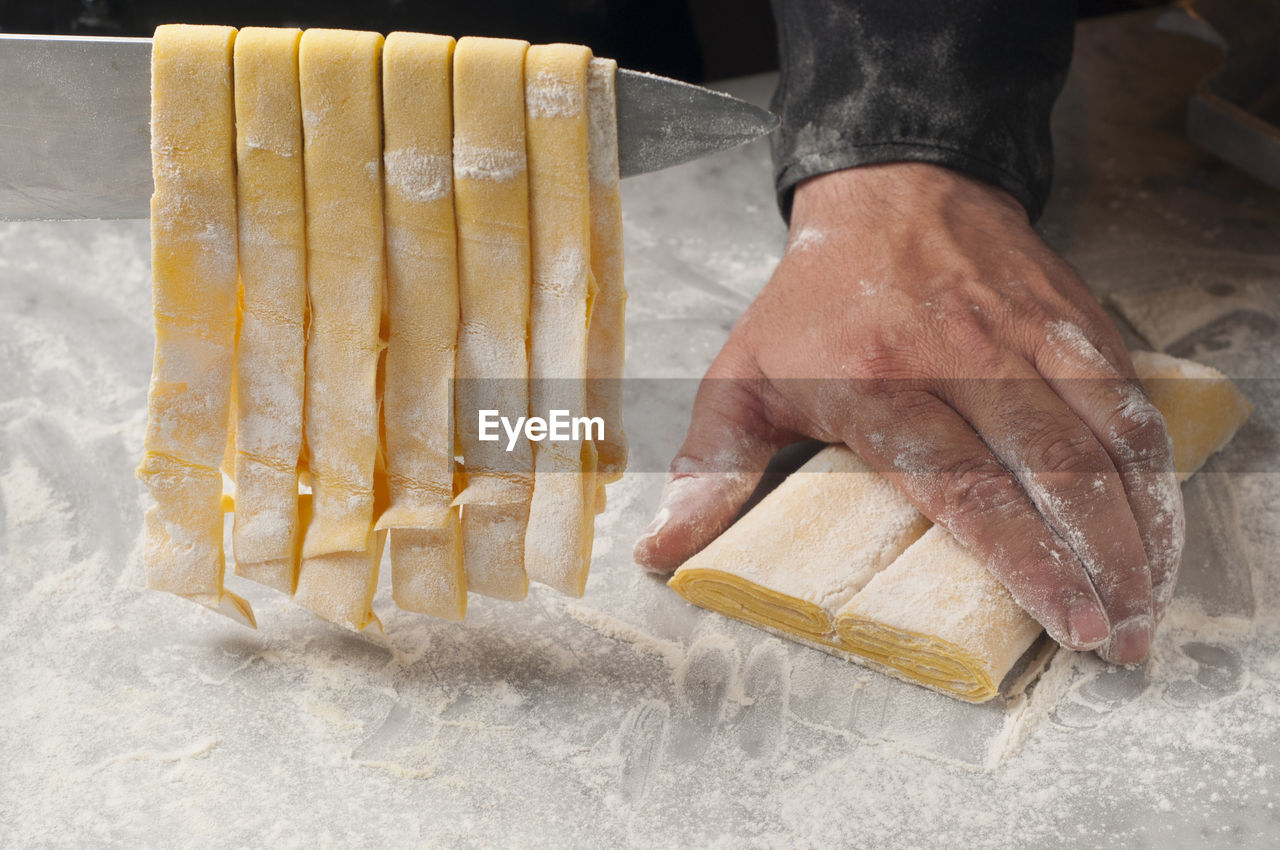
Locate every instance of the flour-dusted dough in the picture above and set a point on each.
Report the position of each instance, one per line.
(491, 206)
(806, 549)
(606, 344)
(342, 155)
(422, 308)
(339, 587)
(194, 291)
(271, 349)
(936, 616)
(557, 550)
(1202, 408)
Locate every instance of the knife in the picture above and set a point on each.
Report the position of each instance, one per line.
(75, 115)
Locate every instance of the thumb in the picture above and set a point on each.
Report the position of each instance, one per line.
(729, 442)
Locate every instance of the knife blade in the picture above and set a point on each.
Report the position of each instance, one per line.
(75, 114)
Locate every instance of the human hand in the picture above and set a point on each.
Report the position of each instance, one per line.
(918, 318)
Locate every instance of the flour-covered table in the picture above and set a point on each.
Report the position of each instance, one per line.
(629, 716)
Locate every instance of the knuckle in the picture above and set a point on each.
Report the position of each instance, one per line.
(1058, 452)
(976, 485)
(1138, 435)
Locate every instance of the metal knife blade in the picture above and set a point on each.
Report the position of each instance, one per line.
(75, 117)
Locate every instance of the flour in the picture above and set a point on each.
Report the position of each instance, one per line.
(481, 163)
(420, 176)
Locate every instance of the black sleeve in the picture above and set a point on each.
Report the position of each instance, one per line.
(968, 84)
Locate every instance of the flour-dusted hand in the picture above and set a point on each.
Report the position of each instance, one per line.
(918, 318)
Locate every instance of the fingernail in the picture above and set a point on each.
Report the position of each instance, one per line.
(1088, 625)
(1130, 642)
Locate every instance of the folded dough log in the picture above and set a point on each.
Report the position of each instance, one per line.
(939, 618)
(806, 549)
(936, 616)
(557, 547)
(1202, 408)
(342, 132)
(606, 347)
(491, 206)
(194, 291)
(273, 275)
(422, 298)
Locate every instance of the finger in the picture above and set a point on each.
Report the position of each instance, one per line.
(1133, 433)
(1074, 485)
(725, 451)
(947, 471)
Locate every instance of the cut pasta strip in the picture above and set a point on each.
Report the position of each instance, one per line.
(194, 291)
(806, 549)
(557, 550)
(606, 343)
(271, 349)
(342, 132)
(491, 207)
(339, 587)
(422, 300)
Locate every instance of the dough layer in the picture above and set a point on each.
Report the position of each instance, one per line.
(271, 348)
(422, 311)
(491, 207)
(194, 292)
(557, 545)
(342, 156)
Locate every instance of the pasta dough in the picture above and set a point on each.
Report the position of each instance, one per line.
(194, 291)
(422, 307)
(394, 257)
(938, 617)
(606, 348)
(557, 550)
(935, 615)
(491, 206)
(273, 275)
(1201, 407)
(342, 131)
(806, 549)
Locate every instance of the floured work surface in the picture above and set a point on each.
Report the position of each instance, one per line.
(836, 557)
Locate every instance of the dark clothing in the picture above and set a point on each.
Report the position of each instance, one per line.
(646, 35)
(968, 84)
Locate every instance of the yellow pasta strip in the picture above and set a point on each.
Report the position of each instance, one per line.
(194, 290)
(606, 344)
(491, 202)
(422, 296)
(557, 550)
(271, 349)
(342, 157)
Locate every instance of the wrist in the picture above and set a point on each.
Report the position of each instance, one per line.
(910, 190)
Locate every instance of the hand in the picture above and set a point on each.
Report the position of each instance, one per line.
(960, 356)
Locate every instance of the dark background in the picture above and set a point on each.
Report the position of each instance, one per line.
(694, 40)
